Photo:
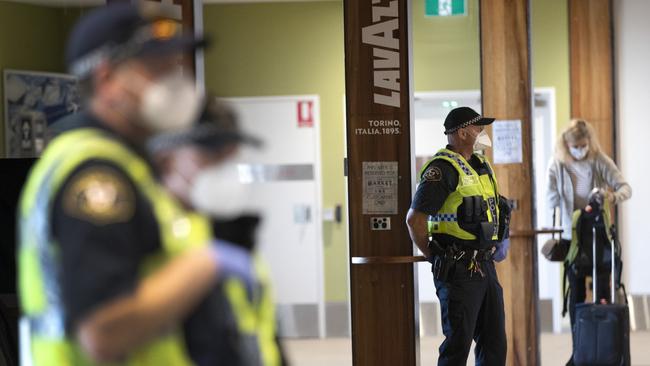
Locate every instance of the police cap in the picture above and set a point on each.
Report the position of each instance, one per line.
(462, 117)
(120, 31)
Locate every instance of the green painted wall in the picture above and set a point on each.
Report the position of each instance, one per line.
(550, 52)
(289, 49)
(31, 38)
(69, 16)
(297, 48)
(446, 50)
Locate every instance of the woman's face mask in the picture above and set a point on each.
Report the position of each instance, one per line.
(579, 152)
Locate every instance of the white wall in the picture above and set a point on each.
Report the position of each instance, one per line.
(632, 31)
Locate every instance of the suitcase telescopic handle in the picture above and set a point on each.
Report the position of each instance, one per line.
(613, 265)
(594, 273)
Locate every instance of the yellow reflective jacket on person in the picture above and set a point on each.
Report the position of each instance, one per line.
(470, 183)
(255, 316)
(39, 264)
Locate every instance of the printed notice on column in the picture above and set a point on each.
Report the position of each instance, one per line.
(507, 142)
(379, 187)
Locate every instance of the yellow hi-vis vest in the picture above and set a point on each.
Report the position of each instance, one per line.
(256, 317)
(470, 183)
(39, 262)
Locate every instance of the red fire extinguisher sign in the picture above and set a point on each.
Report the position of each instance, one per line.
(306, 113)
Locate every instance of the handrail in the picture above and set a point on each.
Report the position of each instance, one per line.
(387, 259)
(416, 259)
(535, 232)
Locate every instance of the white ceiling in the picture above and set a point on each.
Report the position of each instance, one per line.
(99, 2)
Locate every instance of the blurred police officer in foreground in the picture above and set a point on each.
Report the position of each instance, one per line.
(460, 223)
(109, 262)
(236, 324)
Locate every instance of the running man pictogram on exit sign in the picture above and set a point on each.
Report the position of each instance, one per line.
(445, 7)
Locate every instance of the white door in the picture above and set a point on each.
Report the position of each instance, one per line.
(285, 174)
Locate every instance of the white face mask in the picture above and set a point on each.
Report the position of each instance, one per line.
(579, 153)
(171, 103)
(482, 141)
(218, 192)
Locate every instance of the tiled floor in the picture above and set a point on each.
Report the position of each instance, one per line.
(555, 351)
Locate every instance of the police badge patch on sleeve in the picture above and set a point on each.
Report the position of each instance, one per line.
(99, 195)
(433, 174)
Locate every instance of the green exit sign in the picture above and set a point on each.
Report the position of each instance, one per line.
(443, 8)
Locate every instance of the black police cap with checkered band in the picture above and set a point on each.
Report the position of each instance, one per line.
(462, 117)
(120, 31)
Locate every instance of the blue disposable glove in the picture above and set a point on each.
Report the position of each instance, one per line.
(234, 261)
(502, 250)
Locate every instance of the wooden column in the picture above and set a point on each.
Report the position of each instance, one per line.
(592, 69)
(378, 95)
(506, 93)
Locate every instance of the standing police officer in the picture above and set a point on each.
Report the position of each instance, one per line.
(457, 219)
(109, 262)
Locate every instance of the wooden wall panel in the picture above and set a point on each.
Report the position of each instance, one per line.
(592, 90)
(378, 96)
(383, 319)
(506, 94)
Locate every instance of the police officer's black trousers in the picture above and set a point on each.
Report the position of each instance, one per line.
(472, 309)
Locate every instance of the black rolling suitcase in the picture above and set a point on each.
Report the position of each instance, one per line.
(602, 331)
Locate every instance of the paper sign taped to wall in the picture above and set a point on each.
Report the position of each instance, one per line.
(507, 142)
(380, 187)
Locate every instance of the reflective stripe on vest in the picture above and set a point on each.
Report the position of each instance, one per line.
(38, 258)
(256, 318)
(469, 184)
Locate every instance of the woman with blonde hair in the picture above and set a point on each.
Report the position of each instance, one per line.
(580, 166)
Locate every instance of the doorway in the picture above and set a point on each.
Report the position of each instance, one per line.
(286, 180)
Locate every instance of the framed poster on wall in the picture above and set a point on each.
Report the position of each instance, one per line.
(33, 101)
